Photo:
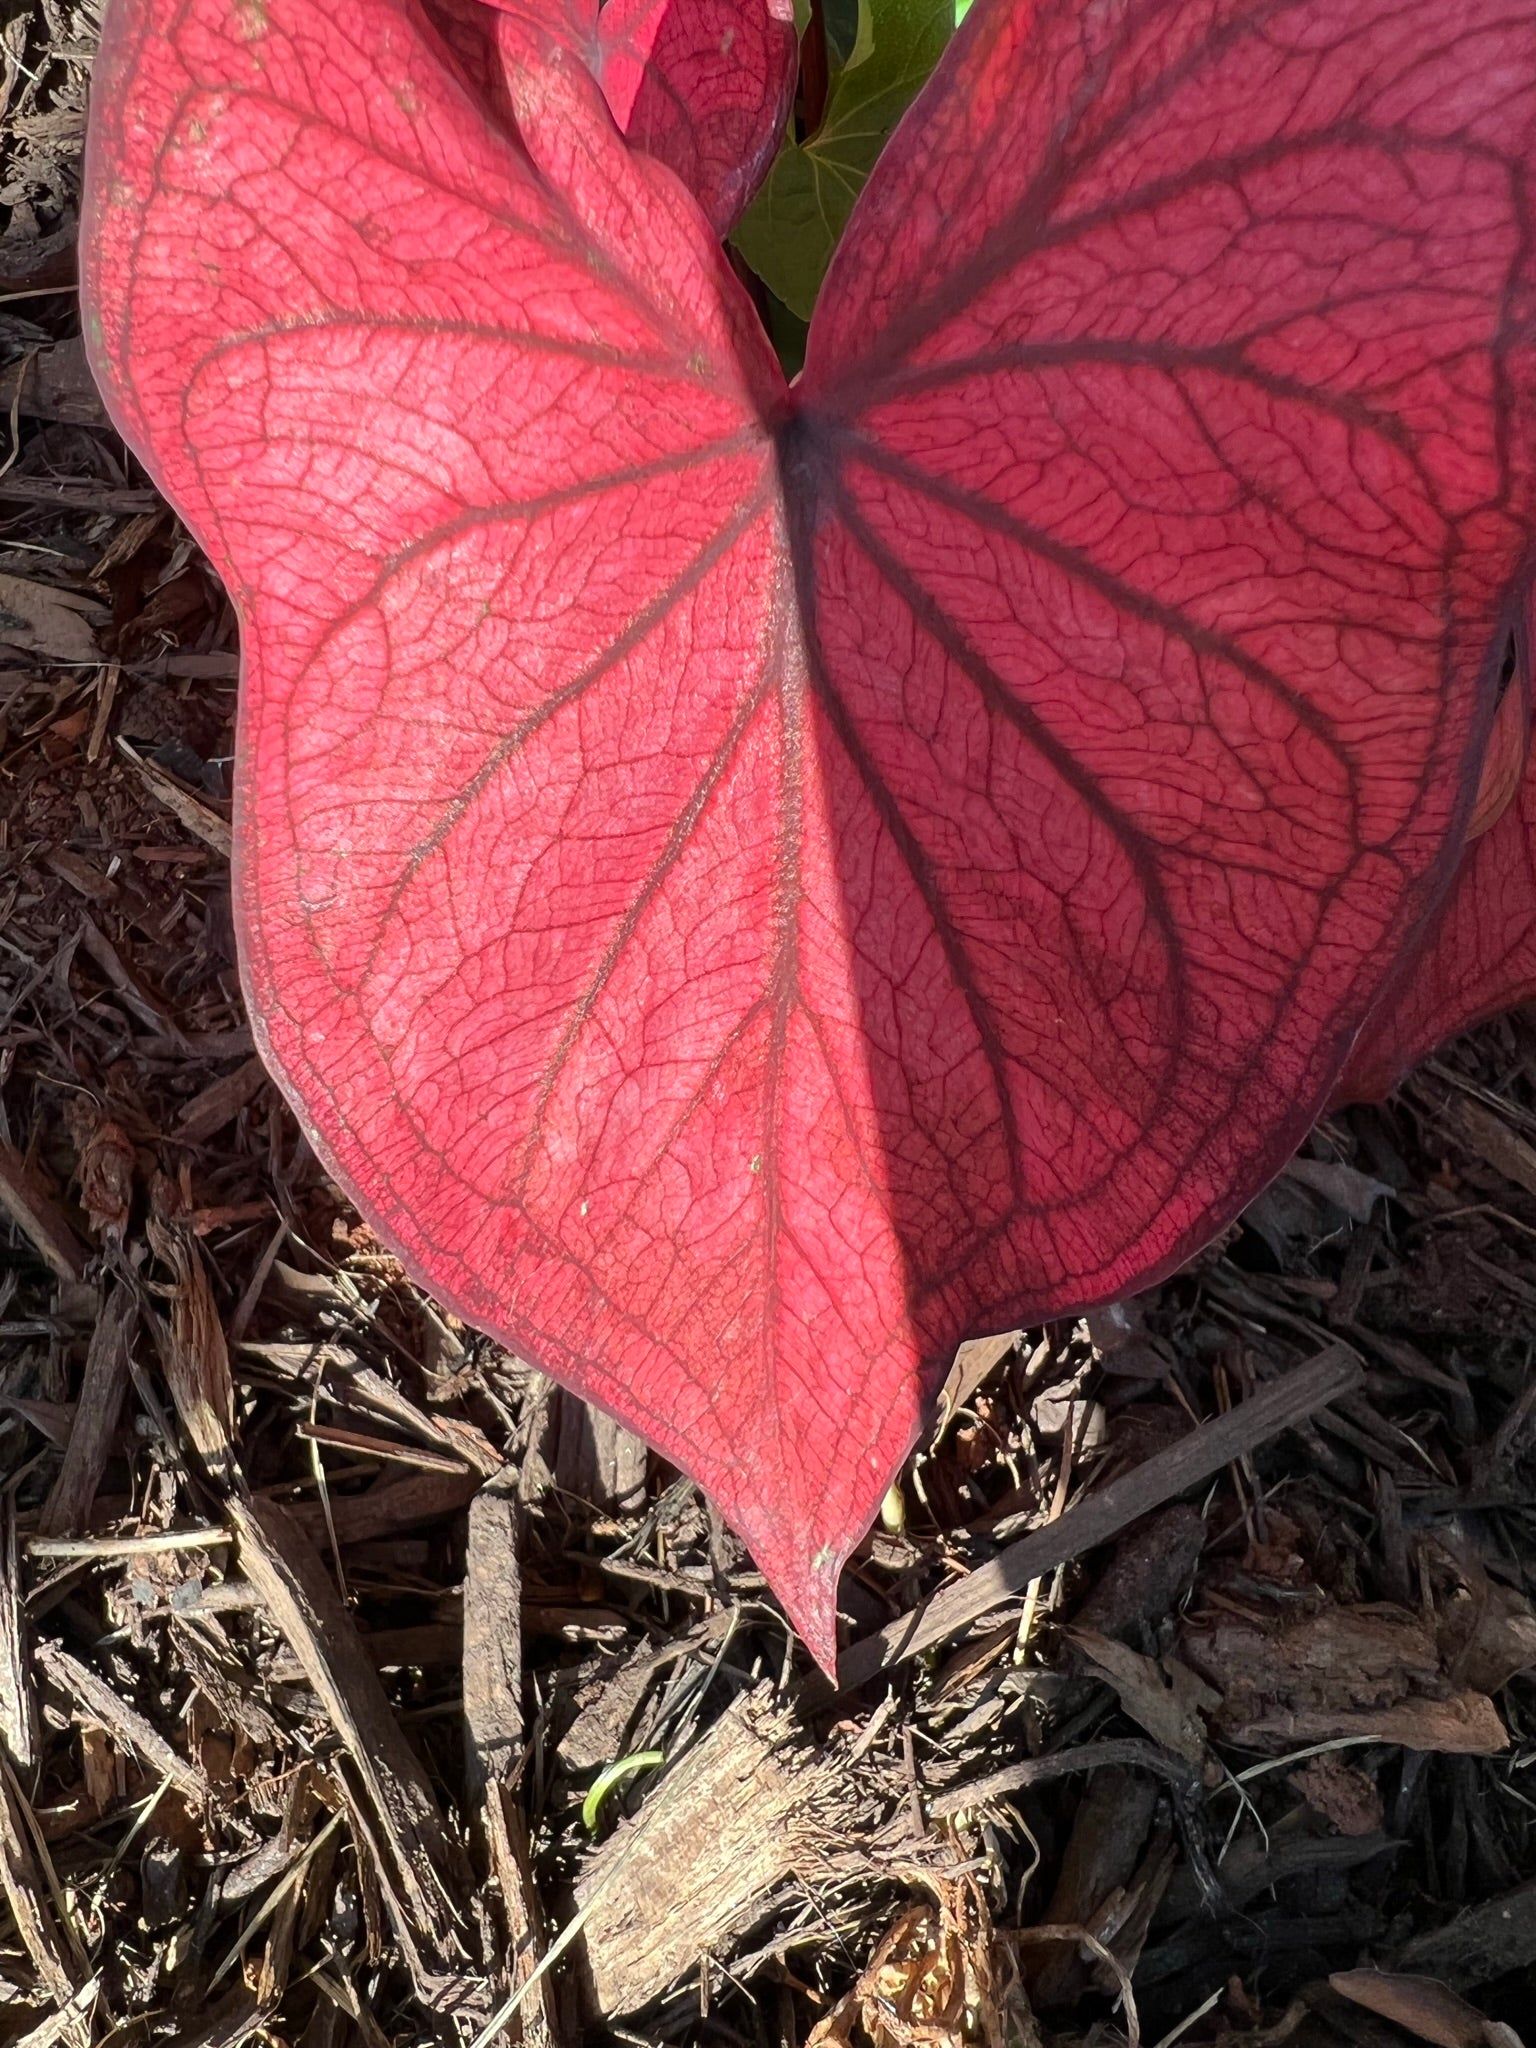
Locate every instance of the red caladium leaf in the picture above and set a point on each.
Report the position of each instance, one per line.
(704, 86)
(1481, 958)
(749, 886)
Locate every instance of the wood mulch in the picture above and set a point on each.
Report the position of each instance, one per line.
(355, 1683)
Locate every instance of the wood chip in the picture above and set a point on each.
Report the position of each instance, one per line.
(426, 1868)
(75, 497)
(518, 1897)
(50, 624)
(493, 1635)
(200, 821)
(1109, 1830)
(493, 1713)
(724, 1828)
(69, 2025)
(1480, 1944)
(54, 1954)
(96, 1417)
(1371, 1671)
(97, 1701)
(389, 1508)
(1429, 2010)
(1196, 1458)
(193, 1353)
(220, 1102)
(1484, 1131)
(54, 384)
(18, 1704)
(1166, 1698)
(38, 1215)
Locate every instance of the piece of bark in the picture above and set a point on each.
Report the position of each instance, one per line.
(594, 1458)
(222, 1100)
(233, 2021)
(49, 624)
(100, 1772)
(727, 1825)
(35, 1212)
(1369, 1670)
(193, 813)
(1252, 1869)
(1108, 1832)
(203, 1652)
(97, 1701)
(1147, 1577)
(1342, 1793)
(1484, 1131)
(1484, 1942)
(106, 1170)
(39, 261)
(1101, 1516)
(455, 1439)
(68, 2025)
(1335, 2022)
(60, 1967)
(1167, 1698)
(493, 1635)
(1423, 2007)
(426, 1868)
(593, 1738)
(526, 1934)
(18, 1703)
(386, 1449)
(97, 1413)
(73, 495)
(388, 1508)
(54, 383)
(193, 1353)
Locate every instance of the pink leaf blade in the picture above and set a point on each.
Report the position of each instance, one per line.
(706, 87)
(747, 889)
(1158, 706)
(702, 86)
(1480, 957)
(456, 670)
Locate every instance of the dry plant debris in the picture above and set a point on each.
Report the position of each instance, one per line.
(1188, 1683)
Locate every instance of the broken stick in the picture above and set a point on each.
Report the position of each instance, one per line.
(1088, 1523)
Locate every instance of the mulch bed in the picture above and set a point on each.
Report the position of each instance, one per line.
(348, 1669)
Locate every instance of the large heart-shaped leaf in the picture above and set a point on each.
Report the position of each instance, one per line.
(1481, 956)
(704, 86)
(748, 887)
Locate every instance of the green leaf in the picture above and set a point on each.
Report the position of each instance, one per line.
(788, 233)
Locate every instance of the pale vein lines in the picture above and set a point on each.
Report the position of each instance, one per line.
(635, 632)
(428, 326)
(661, 868)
